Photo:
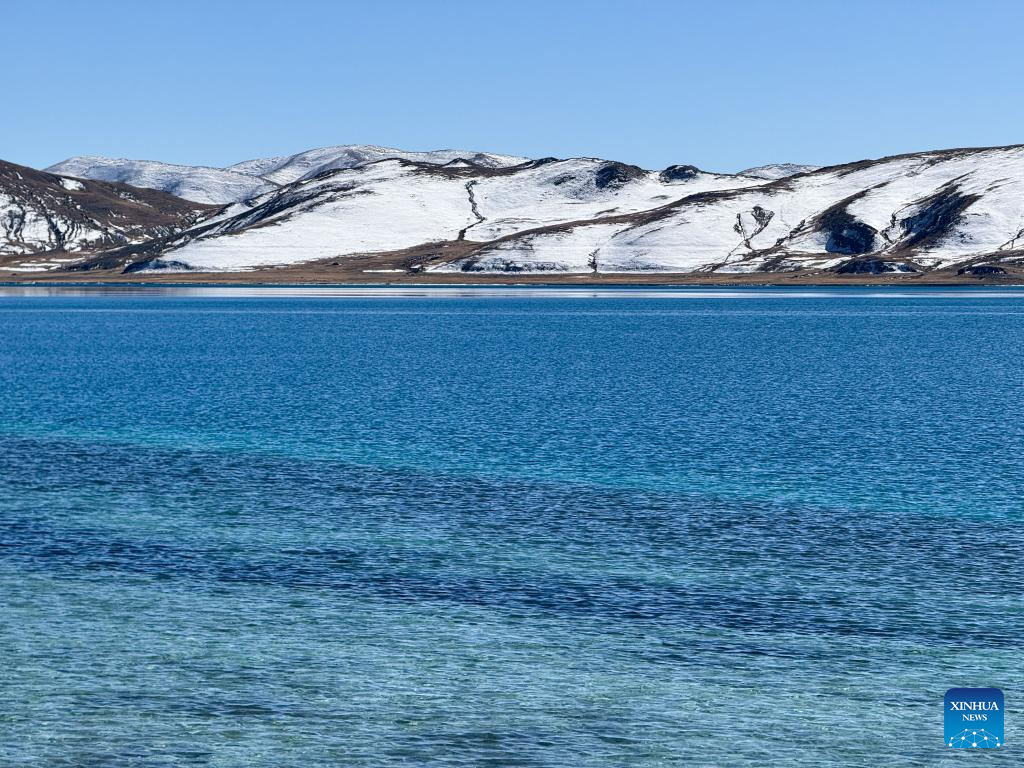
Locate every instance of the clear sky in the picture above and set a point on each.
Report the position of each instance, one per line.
(723, 84)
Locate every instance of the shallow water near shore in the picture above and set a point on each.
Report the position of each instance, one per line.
(500, 526)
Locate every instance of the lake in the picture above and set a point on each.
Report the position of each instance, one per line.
(506, 527)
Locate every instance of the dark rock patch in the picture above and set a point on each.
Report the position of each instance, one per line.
(846, 234)
(510, 266)
(872, 267)
(613, 175)
(981, 270)
(158, 264)
(679, 173)
(461, 162)
(938, 214)
(762, 216)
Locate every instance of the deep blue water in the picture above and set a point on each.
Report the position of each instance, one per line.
(507, 528)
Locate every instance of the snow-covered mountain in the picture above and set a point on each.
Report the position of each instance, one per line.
(952, 209)
(49, 221)
(196, 183)
(931, 210)
(304, 165)
(391, 205)
(778, 171)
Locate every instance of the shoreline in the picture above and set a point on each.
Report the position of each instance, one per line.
(313, 276)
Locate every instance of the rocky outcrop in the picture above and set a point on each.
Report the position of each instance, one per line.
(679, 173)
(614, 175)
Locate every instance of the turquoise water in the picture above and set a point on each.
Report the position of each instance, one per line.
(506, 527)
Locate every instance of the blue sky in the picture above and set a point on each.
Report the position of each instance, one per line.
(723, 85)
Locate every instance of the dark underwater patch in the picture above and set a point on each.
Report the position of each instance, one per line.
(780, 568)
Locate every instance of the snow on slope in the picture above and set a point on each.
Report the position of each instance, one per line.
(196, 183)
(934, 209)
(558, 191)
(383, 207)
(304, 165)
(395, 204)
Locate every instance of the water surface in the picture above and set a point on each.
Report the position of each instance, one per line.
(479, 526)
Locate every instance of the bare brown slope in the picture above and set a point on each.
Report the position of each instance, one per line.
(41, 213)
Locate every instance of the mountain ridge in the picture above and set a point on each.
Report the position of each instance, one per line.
(197, 183)
(452, 212)
(249, 178)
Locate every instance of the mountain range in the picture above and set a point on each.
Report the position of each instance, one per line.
(366, 210)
